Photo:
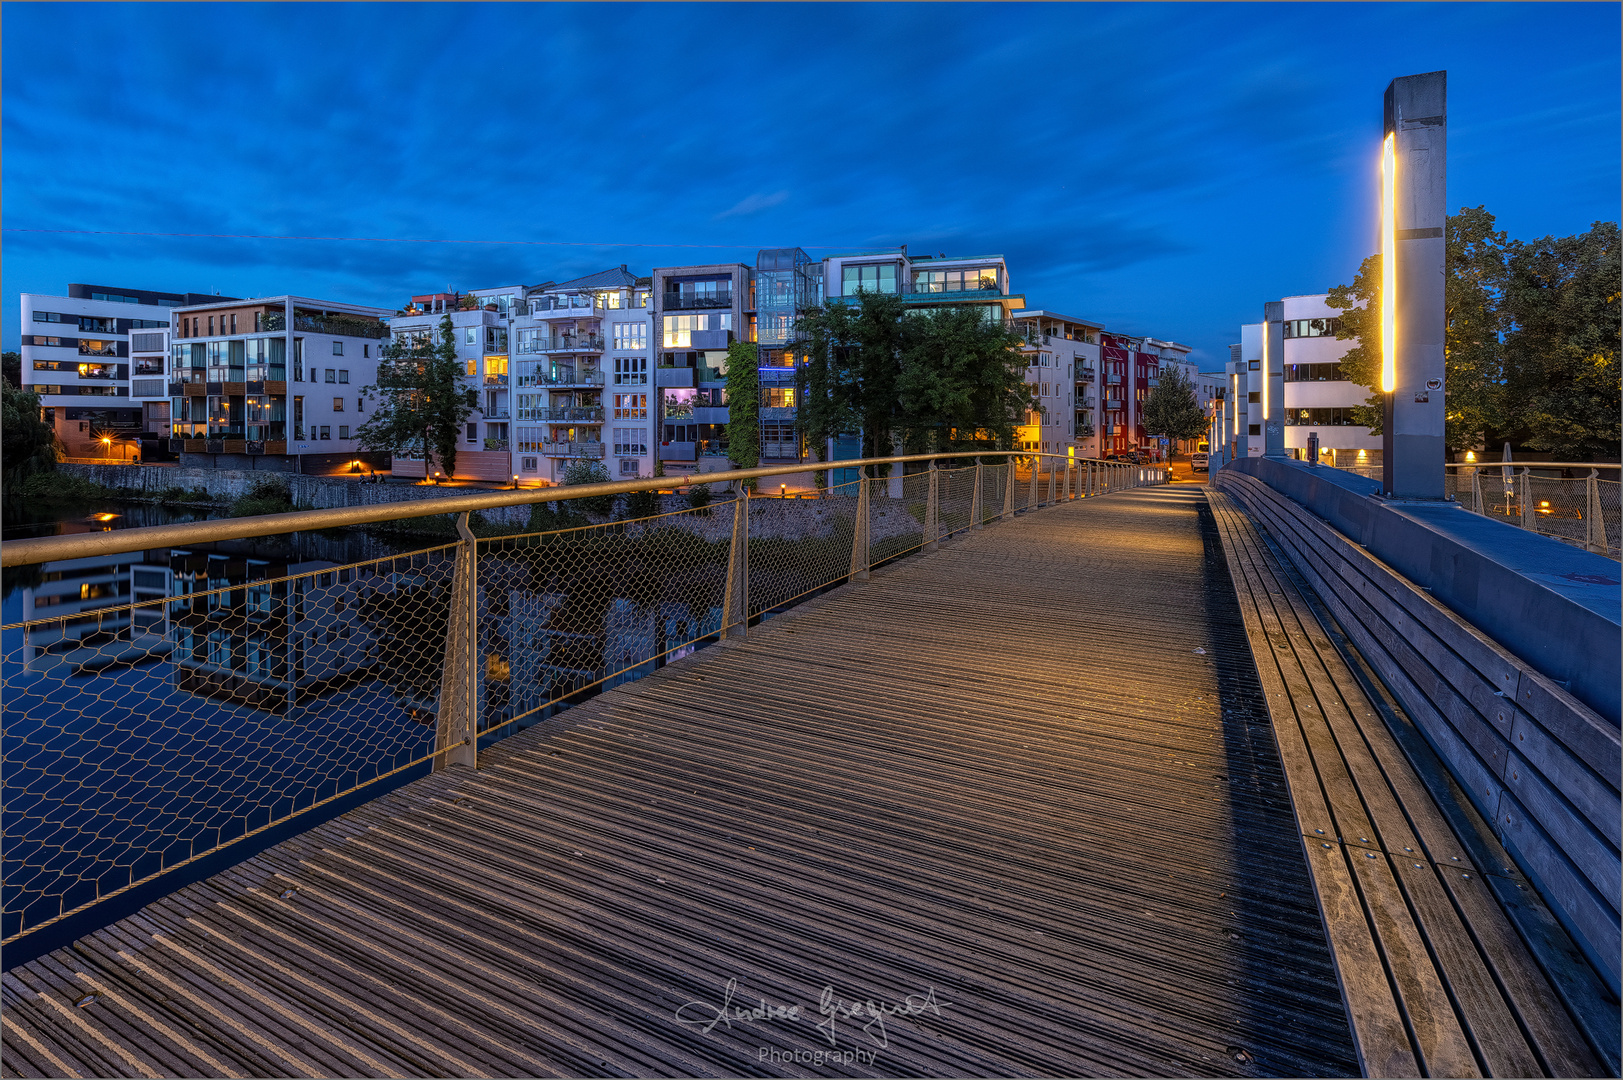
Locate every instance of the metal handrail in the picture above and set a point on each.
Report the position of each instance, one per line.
(1528, 465)
(40, 549)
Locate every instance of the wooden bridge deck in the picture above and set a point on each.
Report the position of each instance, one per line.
(1022, 791)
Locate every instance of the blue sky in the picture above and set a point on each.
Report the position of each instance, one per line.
(1163, 169)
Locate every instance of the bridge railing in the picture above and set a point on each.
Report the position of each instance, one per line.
(1583, 508)
(180, 699)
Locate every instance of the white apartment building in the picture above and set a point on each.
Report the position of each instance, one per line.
(1062, 353)
(78, 355)
(1317, 398)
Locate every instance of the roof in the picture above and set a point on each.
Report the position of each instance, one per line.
(617, 278)
(1044, 313)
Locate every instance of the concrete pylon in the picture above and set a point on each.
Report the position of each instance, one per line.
(1413, 447)
(1273, 379)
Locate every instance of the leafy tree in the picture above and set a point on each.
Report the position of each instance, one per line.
(1561, 317)
(421, 407)
(1171, 409)
(27, 443)
(1473, 355)
(936, 379)
(743, 405)
(11, 364)
(586, 471)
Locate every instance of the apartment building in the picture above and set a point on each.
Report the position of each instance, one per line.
(1062, 354)
(87, 353)
(582, 352)
(1317, 397)
(697, 312)
(273, 383)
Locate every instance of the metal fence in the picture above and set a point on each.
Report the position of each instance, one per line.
(1580, 507)
(142, 735)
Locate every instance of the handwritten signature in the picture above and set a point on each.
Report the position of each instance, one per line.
(831, 1007)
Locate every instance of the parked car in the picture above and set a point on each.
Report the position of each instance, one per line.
(1199, 462)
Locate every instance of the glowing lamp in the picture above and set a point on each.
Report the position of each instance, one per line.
(1470, 455)
(1389, 264)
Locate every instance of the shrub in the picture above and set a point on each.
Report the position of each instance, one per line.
(60, 487)
(590, 472)
(642, 504)
(699, 497)
(266, 497)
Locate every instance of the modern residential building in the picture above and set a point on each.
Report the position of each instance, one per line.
(582, 351)
(1062, 354)
(697, 312)
(559, 371)
(273, 383)
(1317, 398)
(78, 352)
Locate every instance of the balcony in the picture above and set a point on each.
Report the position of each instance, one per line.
(678, 302)
(679, 451)
(496, 380)
(568, 343)
(496, 412)
(569, 377)
(565, 414)
(1152, 382)
(1111, 403)
(1085, 375)
(564, 307)
(561, 449)
(710, 414)
(675, 378)
(495, 444)
(336, 325)
(1112, 380)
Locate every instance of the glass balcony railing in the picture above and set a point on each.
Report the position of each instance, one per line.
(679, 302)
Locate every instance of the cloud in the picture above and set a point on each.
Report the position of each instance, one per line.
(753, 204)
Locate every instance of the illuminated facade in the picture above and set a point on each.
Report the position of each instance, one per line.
(1062, 367)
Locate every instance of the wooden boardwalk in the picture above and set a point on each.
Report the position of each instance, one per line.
(1023, 792)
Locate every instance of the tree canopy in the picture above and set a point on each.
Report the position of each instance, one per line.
(27, 443)
(743, 405)
(936, 380)
(1171, 409)
(1531, 345)
(420, 405)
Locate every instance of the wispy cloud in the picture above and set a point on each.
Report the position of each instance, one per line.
(753, 204)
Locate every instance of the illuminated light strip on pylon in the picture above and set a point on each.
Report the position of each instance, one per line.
(1389, 265)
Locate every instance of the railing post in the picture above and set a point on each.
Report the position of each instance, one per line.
(457, 729)
(859, 531)
(1008, 494)
(1528, 520)
(735, 602)
(975, 499)
(1053, 481)
(1036, 467)
(932, 512)
(1476, 491)
(1594, 516)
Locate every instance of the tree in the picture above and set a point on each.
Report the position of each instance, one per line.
(1473, 356)
(1561, 317)
(937, 379)
(743, 405)
(582, 471)
(421, 406)
(1171, 409)
(11, 364)
(27, 443)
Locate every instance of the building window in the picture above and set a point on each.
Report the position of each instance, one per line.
(940, 281)
(630, 406)
(1295, 328)
(631, 371)
(631, 335)
(470, 335)
(337, 404)
(777, 397)
(332, 375)
(326, 432)
(527, 464)
(47, 316)
(630, 442)
(1254, 397)
(880, 279)
(1313, 372)
(778, 442)
(1256, 429)
(360, 404)
(343, 375)
(343, 431)
(1326, 417)
(338, 348)
(366, 349)
(90, 325)
(473, 432)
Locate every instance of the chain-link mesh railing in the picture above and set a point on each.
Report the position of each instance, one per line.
(1580, 508)
(142, 734)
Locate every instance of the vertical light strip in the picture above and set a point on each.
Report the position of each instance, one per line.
(1235, 379)
(1389, 264)
(1267, 377)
